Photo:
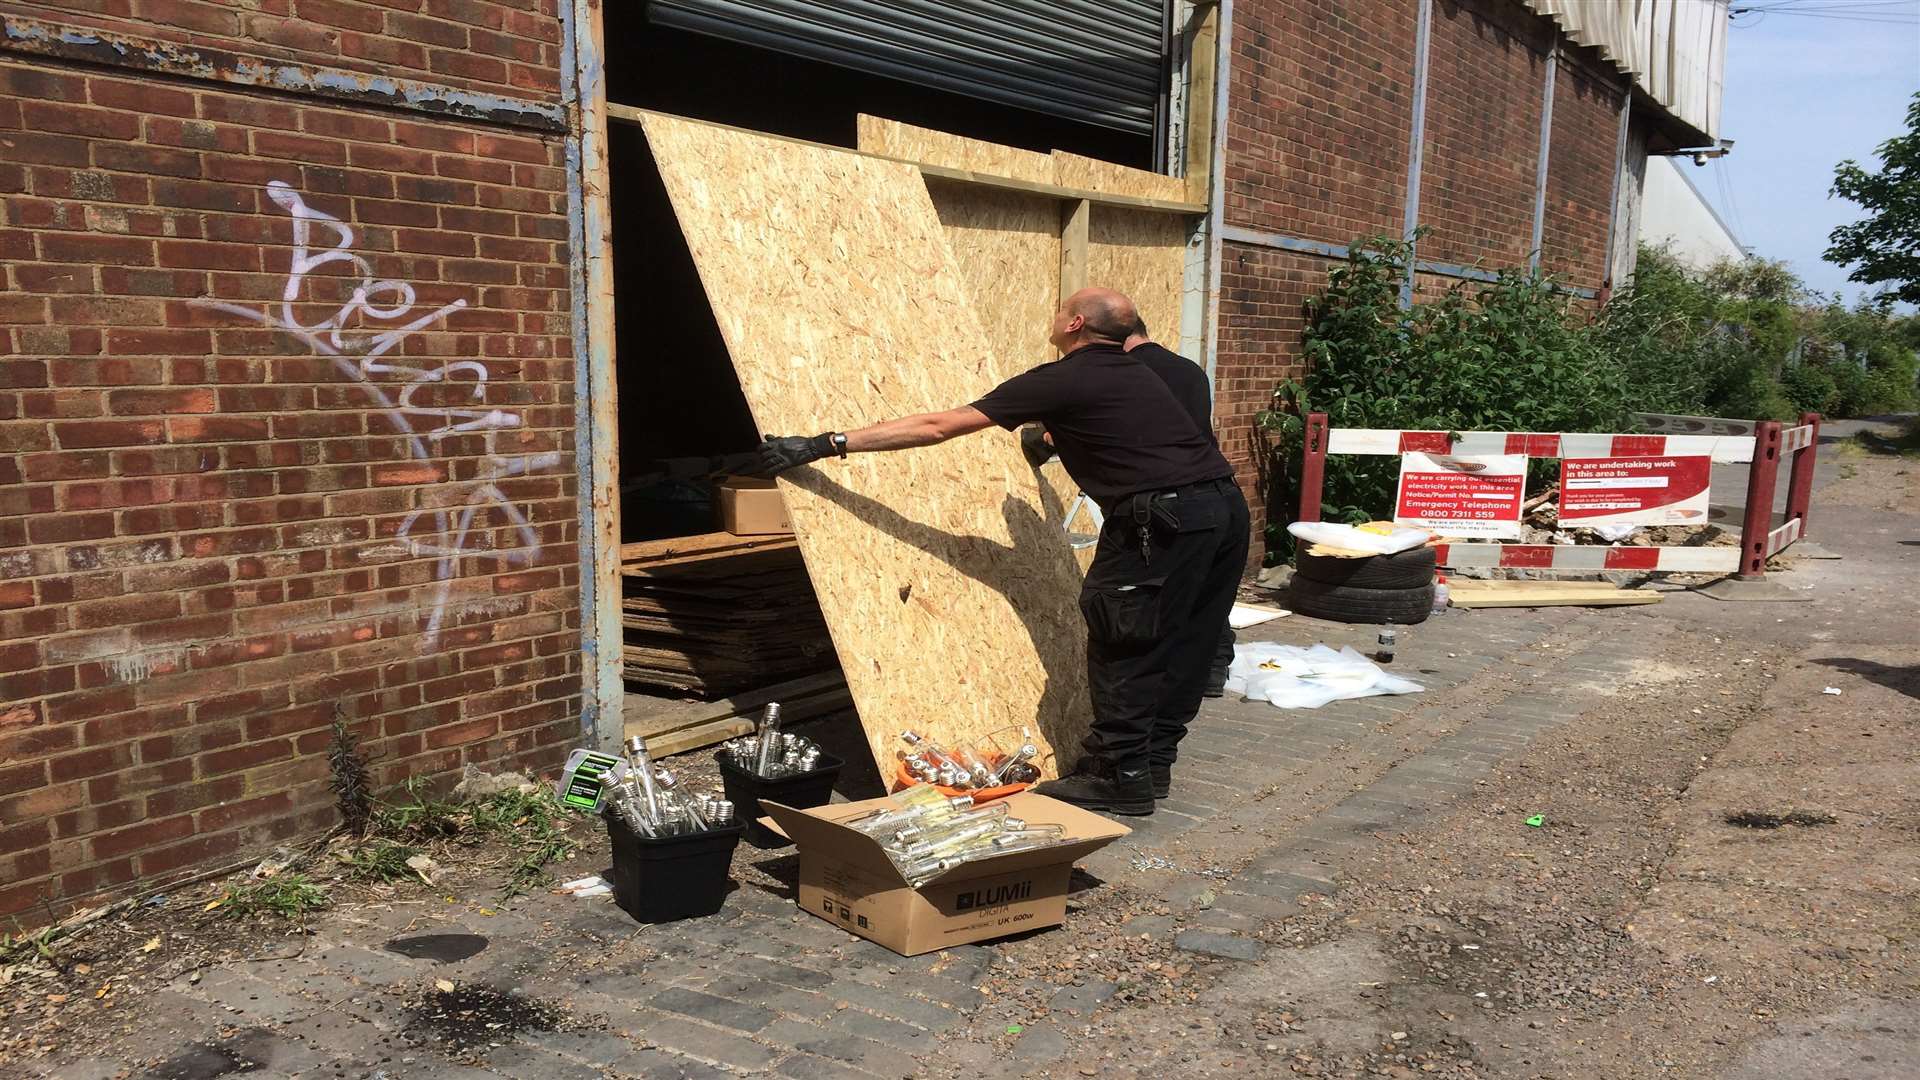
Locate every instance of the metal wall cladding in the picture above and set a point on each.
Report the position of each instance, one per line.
(1101, 62)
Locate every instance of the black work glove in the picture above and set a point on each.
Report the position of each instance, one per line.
(1034, 444)
(778, 453)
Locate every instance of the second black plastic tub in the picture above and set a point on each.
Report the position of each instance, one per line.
(660, 879)
(745, 790)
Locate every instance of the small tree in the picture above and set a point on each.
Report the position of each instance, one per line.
(1884, 249)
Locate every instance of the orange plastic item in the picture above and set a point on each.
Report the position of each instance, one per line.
(902, 780)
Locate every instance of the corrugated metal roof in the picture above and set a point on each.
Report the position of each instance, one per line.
(1674, 49)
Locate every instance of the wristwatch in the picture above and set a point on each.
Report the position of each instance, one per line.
(838, 441)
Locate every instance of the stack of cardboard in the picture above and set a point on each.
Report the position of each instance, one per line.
(713, 615)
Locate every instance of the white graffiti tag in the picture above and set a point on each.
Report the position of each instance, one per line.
(358, 343)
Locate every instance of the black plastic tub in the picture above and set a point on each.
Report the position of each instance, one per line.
(661, 879)
(801, 790)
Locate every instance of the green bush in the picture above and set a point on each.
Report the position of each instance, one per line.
(1744, 340)
(1809, 387)
(1506, 355)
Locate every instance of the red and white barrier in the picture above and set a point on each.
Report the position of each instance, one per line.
(1390, 442)
(1486, 556)
(1762, 449)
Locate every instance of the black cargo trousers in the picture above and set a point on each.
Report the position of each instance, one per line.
(1154, 616)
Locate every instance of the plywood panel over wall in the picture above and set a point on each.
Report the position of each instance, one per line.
(949, 592)
(1092, 174)
(890, 138)
(1142, 254)
(1007, 244)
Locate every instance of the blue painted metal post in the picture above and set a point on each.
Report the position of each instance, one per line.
(596, 412)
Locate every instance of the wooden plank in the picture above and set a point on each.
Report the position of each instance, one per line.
(1490, 594)
(674, 732)
(1201, 72)
(754, 700)
(718, 543)
(699, 737)
(1075, 222)
(952, 598)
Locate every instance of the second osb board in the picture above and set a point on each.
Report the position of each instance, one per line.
(1144, 255)
(950, 596)
(1007, 246)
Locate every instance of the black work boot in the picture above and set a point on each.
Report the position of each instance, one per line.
(1095, 785)
(1162, 776)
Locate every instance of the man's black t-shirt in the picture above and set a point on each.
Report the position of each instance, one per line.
(1118, 426)
(1185, 378)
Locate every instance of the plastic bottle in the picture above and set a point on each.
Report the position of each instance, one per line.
(1383, 651)
(1440, 599)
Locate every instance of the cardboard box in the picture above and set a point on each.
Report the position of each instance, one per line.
(750, 506)
(847, 879)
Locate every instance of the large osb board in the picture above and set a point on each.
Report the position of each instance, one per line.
(1092, 174)
(890, 138)
(950, 596)
(1144, 255)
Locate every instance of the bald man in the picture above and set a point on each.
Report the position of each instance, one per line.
(1170, 556)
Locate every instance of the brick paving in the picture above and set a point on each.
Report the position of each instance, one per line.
(764, 989)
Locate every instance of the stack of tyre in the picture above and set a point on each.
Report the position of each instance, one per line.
(1395, 588)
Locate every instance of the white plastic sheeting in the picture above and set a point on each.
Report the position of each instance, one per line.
(1306, 678)
(1674, 49)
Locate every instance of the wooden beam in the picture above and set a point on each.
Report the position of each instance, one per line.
(681, 547)
(629, 114)
(1076, 224)
(800, 699)
(1201, 68)
(1499, 594)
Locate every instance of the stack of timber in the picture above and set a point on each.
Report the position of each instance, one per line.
(716, 614)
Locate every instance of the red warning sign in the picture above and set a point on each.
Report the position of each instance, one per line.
(1635, 490)
(1462, 496)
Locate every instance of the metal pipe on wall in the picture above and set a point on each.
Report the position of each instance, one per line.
(1417, 140)
(1546, 145)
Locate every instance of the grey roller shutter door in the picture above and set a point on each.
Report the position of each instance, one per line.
(1100, 62)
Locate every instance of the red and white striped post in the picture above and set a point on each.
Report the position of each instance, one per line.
(1800, 481)
(1761, 480)
(1313, 467)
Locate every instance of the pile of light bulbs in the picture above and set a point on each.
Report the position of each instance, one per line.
(927, 833)
(964, 767)
(649, 800)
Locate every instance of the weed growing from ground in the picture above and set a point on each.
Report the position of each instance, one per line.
(287, 896)
(529, 824)
(380, 860)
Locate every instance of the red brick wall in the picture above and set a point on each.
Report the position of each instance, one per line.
(213, 531)
(503, 46)
(1580, 168)
(1319, 121)
(1322, 96)
(1486, 79)
(1263, 293)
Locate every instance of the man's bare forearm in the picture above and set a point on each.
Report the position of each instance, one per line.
(926, 429)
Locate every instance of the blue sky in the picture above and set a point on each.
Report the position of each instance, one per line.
(1802, 94)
